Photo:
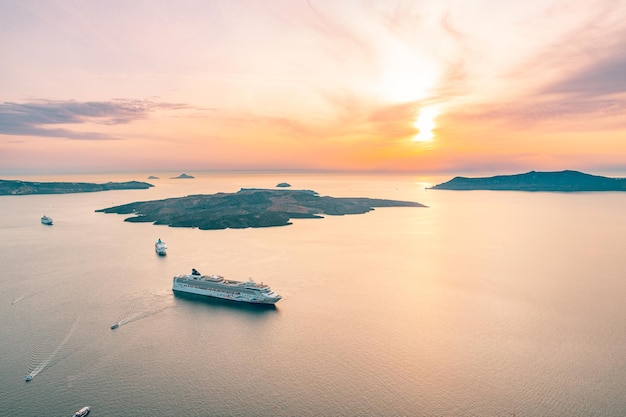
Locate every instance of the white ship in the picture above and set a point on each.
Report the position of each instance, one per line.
(46, 220)
(82, 412)
(218, 287)
(160, 247)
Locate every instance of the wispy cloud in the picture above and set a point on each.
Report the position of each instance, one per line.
(537, 112)
(575, 75)
(37, 118)
(605, 77)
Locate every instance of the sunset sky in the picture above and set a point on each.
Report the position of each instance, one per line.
(487, 86)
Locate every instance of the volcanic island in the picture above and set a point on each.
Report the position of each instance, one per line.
(249, 207)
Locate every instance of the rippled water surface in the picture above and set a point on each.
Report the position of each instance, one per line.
(482, 304)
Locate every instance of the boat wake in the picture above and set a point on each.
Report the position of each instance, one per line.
(37, 365)
(25, 296)
(141, 310)
(128, 319)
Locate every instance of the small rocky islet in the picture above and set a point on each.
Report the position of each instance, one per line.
(249, 207)
(183, 176)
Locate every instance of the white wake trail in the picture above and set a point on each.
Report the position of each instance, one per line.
(46, 362)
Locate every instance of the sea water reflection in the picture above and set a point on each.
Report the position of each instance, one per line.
(482, 304)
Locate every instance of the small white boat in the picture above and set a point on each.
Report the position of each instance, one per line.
(28, 377)
(160, 247)
(82, 412)
(46, 220)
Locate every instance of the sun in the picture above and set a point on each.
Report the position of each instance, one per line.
(425, 123)
(407, 76)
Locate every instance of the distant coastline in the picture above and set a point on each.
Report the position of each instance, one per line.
(17, 187)
(558, 181)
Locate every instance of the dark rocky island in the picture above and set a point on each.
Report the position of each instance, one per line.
(283, 185)
(559, 181)
(16, 187)
(247, 208)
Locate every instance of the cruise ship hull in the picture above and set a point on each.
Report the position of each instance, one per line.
(217, 287)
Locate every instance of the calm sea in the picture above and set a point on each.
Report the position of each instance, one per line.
(482, 304)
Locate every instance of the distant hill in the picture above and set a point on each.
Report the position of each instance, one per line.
(560, 181)
(16, 187)
(249, 207)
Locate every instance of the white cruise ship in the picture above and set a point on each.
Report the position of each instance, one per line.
(160, 247)
(218, 287)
